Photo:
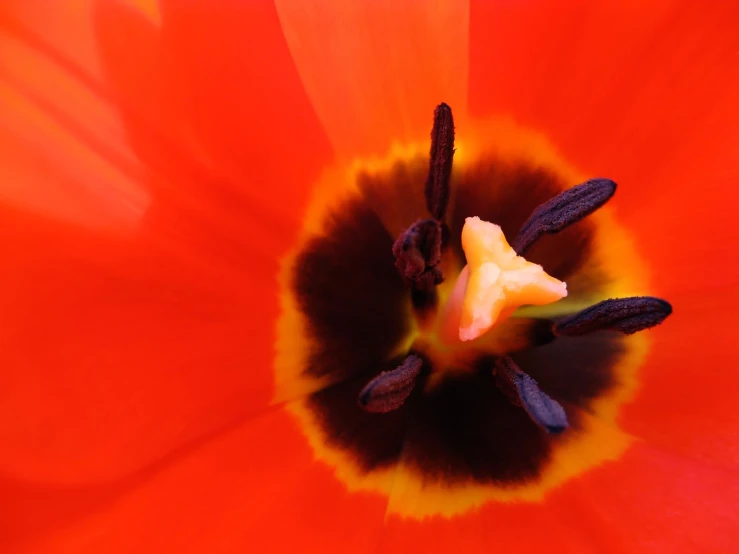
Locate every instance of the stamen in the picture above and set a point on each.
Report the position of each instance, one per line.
(563, 210)
(523, 391)
(627, 315)
(418, 253)
(417, 250)
(389, 389)
(440, 164)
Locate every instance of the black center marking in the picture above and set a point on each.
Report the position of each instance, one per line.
(356, 303)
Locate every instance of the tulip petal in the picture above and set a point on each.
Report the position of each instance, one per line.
(115, 351)
(686, 404)
(170, 325)
(656, 502)
(61, 139)
(118, 349)
(252, 488)
(211, 137)
(229, 70)
(642, 93)
(645, 501)
(375, 70)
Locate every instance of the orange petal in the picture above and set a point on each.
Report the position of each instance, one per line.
(686, 404)
(646, 501)
(214, 139)
(254, 488)
(523, 528)
(66, 25)
(642, 93)
(61, 140)
(241, 94)
(375, 70)
(526, 528)
(652, 501)
(118, 349)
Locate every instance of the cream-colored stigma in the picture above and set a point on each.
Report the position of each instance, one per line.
(496, 281)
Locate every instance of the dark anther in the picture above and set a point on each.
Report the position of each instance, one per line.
(417, 250)
(563, 210)
(627, 315)
(523, 391)
(389, 389)
(440, 164)
(418, 253)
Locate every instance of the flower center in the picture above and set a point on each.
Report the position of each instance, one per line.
(368, 319)
(495, 282)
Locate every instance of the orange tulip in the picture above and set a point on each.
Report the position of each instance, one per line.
(199, 200)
